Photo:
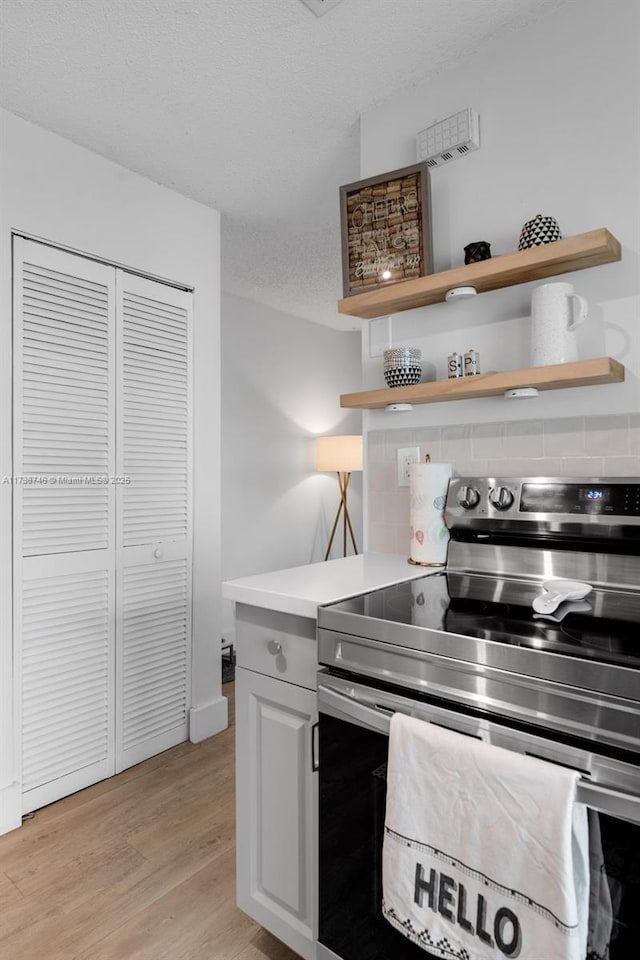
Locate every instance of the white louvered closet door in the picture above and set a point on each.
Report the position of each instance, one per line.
(154, 518)
(64, 520)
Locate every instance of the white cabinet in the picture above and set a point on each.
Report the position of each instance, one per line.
(276, 712)
(275, 777)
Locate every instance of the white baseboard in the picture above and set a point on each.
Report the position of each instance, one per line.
(10, 808)
(209, 719)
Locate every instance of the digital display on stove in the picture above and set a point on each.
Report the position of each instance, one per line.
(608, 499)
(592, 494)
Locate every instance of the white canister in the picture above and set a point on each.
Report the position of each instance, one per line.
(556, 312)
(428, 484)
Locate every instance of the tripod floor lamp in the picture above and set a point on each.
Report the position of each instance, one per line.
(342, 456)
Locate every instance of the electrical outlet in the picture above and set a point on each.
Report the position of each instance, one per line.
(406, 456)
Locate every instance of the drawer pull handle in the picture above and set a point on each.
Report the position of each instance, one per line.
(274, 647)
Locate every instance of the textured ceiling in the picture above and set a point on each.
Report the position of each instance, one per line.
(249, 106)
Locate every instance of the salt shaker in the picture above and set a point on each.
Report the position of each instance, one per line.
(455, 366)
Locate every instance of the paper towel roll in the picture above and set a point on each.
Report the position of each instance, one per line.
(428, 483)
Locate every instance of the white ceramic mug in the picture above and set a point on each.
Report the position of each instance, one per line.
(556, 311)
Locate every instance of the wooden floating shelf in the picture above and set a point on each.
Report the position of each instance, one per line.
(560, 376)
(562, 256)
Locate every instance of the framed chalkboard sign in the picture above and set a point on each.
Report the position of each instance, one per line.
(386, 229)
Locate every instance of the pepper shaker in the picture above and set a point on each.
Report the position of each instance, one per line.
(471, 364)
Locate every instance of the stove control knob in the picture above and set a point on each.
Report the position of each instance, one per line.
(501, 498)
(468, 497)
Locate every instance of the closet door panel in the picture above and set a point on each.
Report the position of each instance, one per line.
(67, 704)
(64, 515)
(154, 518)
(66, 310)
(155, 657)
(155, 412)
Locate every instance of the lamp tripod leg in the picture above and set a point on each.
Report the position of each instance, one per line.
(335, 522)
(353, 539)
(347, 518)
(343, 483)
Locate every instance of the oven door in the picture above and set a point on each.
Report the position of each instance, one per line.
(354, 729)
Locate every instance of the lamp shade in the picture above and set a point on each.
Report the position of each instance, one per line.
(339, 454)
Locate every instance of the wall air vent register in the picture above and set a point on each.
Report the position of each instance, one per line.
(449, 138)
(320, 7)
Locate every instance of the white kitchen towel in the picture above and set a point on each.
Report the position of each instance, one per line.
(485, 851)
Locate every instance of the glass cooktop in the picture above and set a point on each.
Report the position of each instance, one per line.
(605, 626)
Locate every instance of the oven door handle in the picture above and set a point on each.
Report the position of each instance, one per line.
(377, 717)
(373, 716)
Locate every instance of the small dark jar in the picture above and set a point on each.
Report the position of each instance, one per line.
(474, 252)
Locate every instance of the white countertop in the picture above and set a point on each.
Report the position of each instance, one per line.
(301, 590)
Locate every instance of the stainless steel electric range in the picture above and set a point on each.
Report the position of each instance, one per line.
(465, 648)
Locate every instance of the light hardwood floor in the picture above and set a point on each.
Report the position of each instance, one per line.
(138, 867)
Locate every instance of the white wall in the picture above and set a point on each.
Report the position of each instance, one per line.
(281, 383)
(558, 105)
(57, 191)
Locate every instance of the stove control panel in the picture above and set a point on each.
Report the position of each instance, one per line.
(586, 497)
(491, 502)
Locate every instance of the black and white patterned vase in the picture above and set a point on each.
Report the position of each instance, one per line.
(402, 366)
(538, 231)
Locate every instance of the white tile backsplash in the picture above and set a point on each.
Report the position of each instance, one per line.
(402, 438)
(403, 539)
(522, 467)
(471, 467)
(396, 506)
(524, 438)
(564, 437)
(383, 537)
(376, 504)
(583, 467)
(604, 445)
(456, 443)
(487, 440)
(609, 436)
(623, 466)
(430, 442)
(382, 476)
(634, 434)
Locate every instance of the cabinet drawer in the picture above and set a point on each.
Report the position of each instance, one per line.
(280, 645)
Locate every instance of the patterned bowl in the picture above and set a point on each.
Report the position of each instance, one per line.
(402, 366)
(402, 357)
(403, 376)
